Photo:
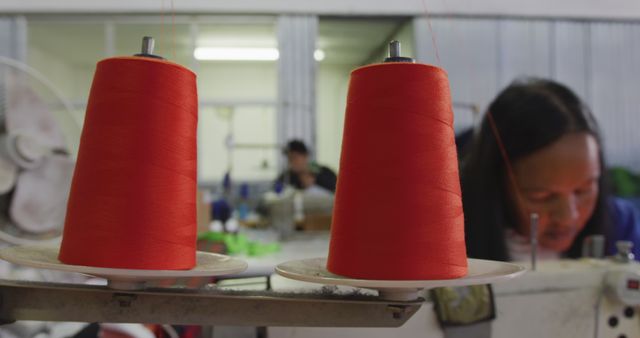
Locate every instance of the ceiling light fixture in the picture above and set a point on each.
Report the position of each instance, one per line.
(318, 55)
(236, 54)
(243, 54)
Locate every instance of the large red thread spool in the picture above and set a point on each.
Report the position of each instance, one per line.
(132, 200)
(398, 209)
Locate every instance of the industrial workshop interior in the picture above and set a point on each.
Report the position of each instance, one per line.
(337, 168)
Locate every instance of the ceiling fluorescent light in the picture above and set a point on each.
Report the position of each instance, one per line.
(236, 54)
(243, 54)
(318, 55)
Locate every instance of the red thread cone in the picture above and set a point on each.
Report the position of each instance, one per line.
(398, 209)
(132, 200)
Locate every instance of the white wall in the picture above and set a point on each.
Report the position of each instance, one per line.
(53, 67)
(612, 9)
(254, 123)
(250, 85)
(333, 84)
(332, 89)
(599, 60)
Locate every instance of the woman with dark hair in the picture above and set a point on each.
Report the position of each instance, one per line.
(539, 150)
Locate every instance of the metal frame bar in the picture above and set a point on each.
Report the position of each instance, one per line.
(40, 301)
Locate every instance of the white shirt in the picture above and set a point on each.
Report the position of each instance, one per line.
(520, 248)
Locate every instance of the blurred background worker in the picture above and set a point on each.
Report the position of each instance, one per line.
(302, 173)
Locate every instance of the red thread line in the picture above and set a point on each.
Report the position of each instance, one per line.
(507, 163)
(433, 35)
(161, 42)
(173, 31)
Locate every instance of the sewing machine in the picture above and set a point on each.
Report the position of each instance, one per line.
(581, 298)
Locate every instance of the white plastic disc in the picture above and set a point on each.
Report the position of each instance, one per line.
(479, 272)
(46, 257)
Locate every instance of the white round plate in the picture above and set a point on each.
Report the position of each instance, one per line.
(46, 257)
(479, 272)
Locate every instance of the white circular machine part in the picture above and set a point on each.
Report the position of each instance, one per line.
(39, 137)
(23, 150)
(29, 150)
(480, 271)
(623, 283)
(39, 201)
(46, 257)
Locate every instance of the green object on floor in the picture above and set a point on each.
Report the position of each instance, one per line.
(211, 236)
(240, 244)
(236, 244)
(259, 249)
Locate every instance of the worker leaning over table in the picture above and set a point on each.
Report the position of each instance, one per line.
(554, 149)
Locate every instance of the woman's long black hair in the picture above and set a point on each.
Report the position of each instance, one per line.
(529, 114)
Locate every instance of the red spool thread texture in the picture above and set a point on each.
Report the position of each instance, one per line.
(132, 200)
(398, 208)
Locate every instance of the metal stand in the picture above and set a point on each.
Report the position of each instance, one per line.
(85, 303)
